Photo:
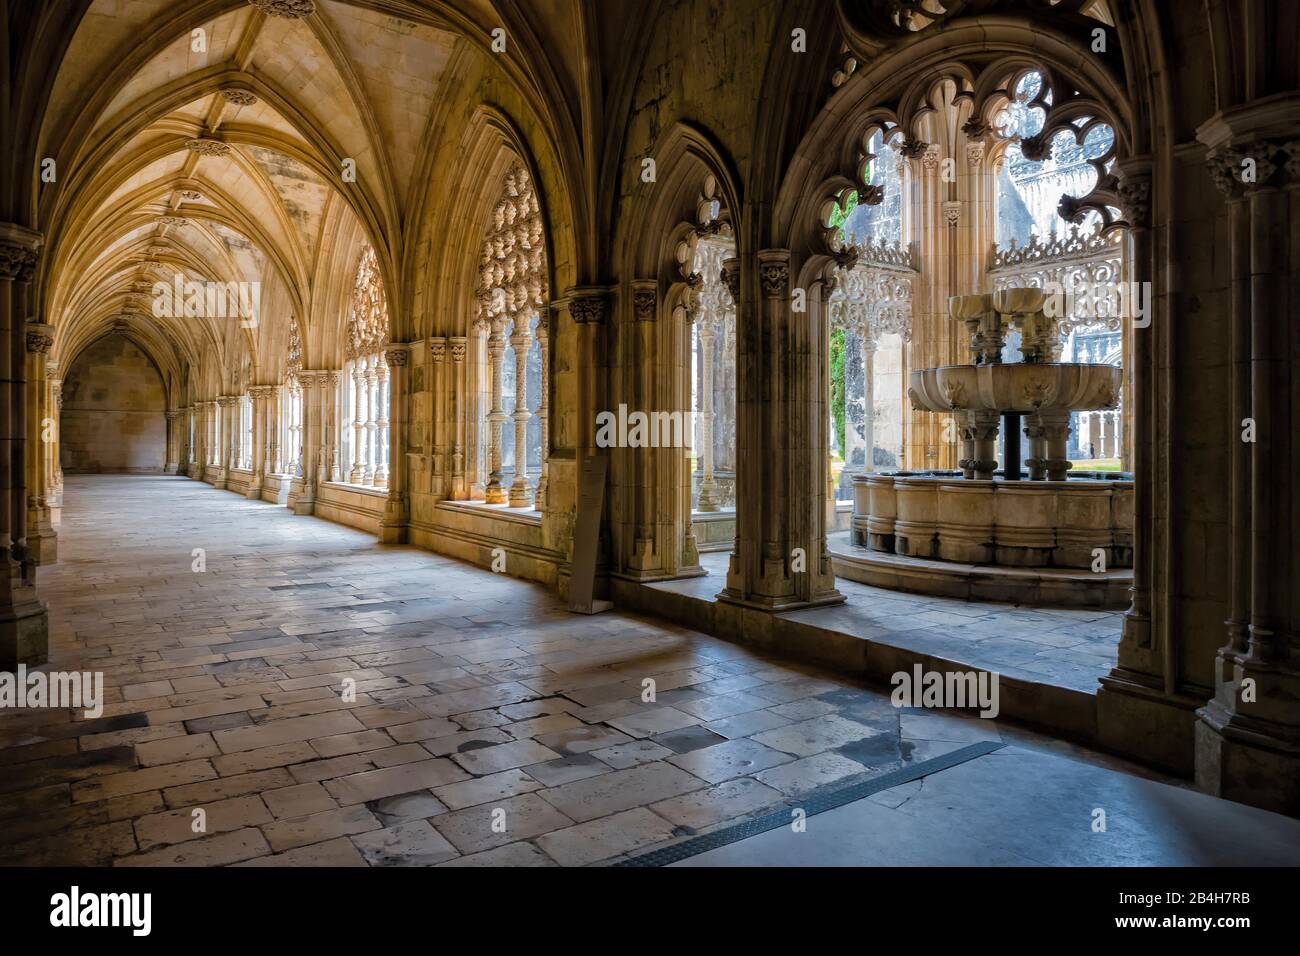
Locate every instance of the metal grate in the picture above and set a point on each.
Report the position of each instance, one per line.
(817, 801)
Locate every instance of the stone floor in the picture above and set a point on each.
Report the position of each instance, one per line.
(1064, 647)
(488, 725)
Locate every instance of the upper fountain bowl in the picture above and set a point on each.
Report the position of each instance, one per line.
(1015, 387)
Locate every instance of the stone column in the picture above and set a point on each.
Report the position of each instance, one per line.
(1247, 737)
(966, 435)
(1037, 460)
(311, 384)
(172, 464)
(869, 398)
(359, 392)
(199, 412)
(186, 447)
(225, 439)
(583, 381)
(494, 492)
(42, 427)
(544, 406)
(293, 454)
(382, 416)
(393, 528)
(638, 472)
(708, 498)
(24, 632)
(331, 406)
(52, 449)
(1137, 620)
(274, 429)
(261, 396)
(1143, 688)
(780, 560)
(459, 486)
(984, 436)
(439, 415)
(1055, 428)
(521, 493)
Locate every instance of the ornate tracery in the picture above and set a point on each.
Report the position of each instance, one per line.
(364, 423)
(512, 335)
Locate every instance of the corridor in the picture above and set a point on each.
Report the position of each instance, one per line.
(489, 726)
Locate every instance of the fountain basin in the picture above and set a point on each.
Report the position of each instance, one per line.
(1015, 387)
(1023, 524)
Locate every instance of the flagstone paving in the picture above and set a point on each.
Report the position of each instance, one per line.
(325, 700)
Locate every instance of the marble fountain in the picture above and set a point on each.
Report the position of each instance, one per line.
(1029, 532)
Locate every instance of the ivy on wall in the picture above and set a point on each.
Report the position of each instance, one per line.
(838, 389)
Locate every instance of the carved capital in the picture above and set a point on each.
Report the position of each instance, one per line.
(774, 273)
(207, 146)
(457, 349)
(587, 309)
(731, 278)
(871, 195)
(974, 153)
(17, 262)
(437, 349)
(40, 337)
(396, 354)
(1135, 200)
(1291, 162)
(1036, 149)
(288, 9)
(645, 299)
(913, 148)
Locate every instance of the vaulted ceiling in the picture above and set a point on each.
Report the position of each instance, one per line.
(238, 141)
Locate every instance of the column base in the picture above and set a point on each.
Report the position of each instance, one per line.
(393, 533)
(774, 593)
(1238, 762)
(394, 526)
(171, 469)
(24, 631)
(521, 497)
(1139, 720)
(43, 546)
(304, 503)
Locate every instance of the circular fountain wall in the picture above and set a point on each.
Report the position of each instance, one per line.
(1047, 536)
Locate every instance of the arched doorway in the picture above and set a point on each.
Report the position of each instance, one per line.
(112, 419)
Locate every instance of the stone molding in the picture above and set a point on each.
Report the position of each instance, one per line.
(207, 146)
(397, 354)
(645, 300)
(287, 9)
(774, 273)
(40, 337)
(588, 309)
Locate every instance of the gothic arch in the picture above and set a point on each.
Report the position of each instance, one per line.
(695, 193)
